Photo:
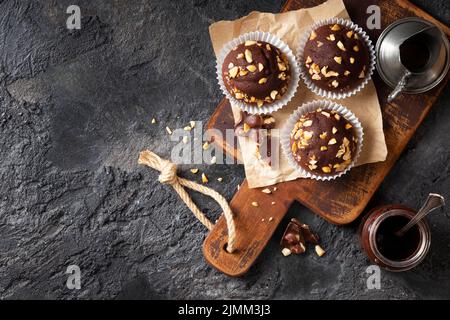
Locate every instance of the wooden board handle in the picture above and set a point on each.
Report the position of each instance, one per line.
(254, 228)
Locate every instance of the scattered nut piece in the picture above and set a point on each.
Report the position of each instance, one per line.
(205, 145)
(313, 35)
(341, 46)
(263, 219)
(286, 252)
(275, 188)
(320, 252)
(204, 178)
(319, 44)
(331, 37)
(220, 179)
(267, 191)
(194, 170)
(332, 141)
(192, 123)
(338, 59)
(248, 56)
(271, 219)
(187, 128)
(153, 121)
(249, 43)
(213, 160)
(273, 203)
(308, 60)
(169, 131)
(255, 204)
(185, 139)
(262, 80)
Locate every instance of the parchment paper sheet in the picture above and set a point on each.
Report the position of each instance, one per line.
(289, 26)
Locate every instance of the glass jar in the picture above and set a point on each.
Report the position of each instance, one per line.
(369, 231)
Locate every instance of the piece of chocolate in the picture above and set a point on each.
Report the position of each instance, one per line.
(293, 239)
(323, 142)
(308, 235)
(336, 58)
(256, 72)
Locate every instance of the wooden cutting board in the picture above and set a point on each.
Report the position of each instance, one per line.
(340, 201)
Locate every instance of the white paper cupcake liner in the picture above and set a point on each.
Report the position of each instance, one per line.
(267, 108)
(285, 138)
(304, 72)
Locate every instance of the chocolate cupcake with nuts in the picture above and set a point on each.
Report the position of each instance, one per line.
(337, 58)
(258, 73)
(322, 139)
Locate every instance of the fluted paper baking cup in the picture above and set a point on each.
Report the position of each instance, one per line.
(285, 138)
(304, 71)
(266, 108)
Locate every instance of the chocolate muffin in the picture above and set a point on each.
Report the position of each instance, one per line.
(336, 58)
(256, 72)
(323, 142)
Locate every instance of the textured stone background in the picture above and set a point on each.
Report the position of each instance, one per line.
(75, 109)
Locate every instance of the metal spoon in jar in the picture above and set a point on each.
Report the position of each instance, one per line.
(434, 201)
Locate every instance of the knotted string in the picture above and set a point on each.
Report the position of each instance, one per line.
(168, 175)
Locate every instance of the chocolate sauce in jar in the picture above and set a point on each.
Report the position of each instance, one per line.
(414, 53)
(395, 247)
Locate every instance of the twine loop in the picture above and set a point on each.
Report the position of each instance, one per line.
(168, 175)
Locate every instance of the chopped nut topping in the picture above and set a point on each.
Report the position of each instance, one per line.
(262, 80)
(346, 73)
(316, 77)
(268, 47)
(239, 95)
(249, 43)
(326, 169)
(230, 65)
(338, 59)
(356, 48)
(251, 68)
(362, 75)
(348, 126)
(334, 130)
(240, 56)
(326, 114)
(282, 76)
(331, 37)
(255, 204)
(273, 94)
(308, 60)
(320, 252)
(246, 128)
(323, 135)
(205, 145)
(356, 36)
(335, 84)
(260, 67)
(319, 44)
(281, 66)
(307, 123)
(248, 56)
(352, 60)
(349, 34)
(243, 72)
(336, 27)
(315, 68)
(204, 178)
(194, 170)
(337, 117)
(332, 141)
(169, 131)
(234, 71)
(341, 46)
(323, 148)
(313, 35)
(324, 70)
(294, 148)
(259, 103)
(308, 135)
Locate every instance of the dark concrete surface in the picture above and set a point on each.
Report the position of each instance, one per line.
(75, 110)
